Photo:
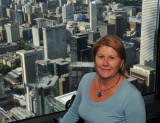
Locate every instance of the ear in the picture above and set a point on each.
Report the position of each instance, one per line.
(122, 62)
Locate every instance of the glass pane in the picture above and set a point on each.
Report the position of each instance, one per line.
(46, 48)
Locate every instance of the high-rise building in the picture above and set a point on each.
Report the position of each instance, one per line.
(79, 49)
(55, 43)
(25, 33)
(107, 29)
(12, 31)
(130, 54)
(149, 30)
(37, 36)
(37, 30)
(19, 17)
(145, 76)
(93, 15)
(3, 3)
(96, 18)
(76, 72)
(42, 96)
(93, 36)
(28, 59)
(10, 14)
(58, 67)
(118, 21)
(67, 12)
(43, 7)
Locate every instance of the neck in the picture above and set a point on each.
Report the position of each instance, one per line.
(108, 82)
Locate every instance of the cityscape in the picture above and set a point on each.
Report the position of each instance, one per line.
(46, 48)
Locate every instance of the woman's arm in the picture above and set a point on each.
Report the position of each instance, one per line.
(135, 108)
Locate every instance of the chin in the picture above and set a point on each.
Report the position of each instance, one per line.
(104, 76)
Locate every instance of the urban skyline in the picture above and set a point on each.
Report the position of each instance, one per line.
(48, 47)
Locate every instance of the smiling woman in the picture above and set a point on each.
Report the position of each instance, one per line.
(106, 95)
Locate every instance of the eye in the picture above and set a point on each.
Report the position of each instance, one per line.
(100, 56)
(111, 57)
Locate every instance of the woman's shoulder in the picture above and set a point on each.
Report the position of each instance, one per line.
(129, 88)
(89, 75)
(87, 78)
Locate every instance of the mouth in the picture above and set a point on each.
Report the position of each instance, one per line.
(106, 69)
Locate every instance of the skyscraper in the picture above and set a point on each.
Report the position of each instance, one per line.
(96, 18)
(93, 15)
(149, 29)
(67, 12)
(55, 43)
(28, 59)
(12, 31)
(118, 21)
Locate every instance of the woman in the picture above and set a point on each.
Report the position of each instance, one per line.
(105, 96)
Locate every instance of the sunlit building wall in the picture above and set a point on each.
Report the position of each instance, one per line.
(149, 30)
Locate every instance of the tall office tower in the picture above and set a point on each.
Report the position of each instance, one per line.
(132, 12)
(3, 6)
(118, 21)
(27, 8)
(12, 31)
(2, 89)
(62, 2)
(130, 54)
(58, 67)
(124, 14)
(67, 12)
(76, 71)
(28, 59)
(37, 30)
(42, 98)
(55, 43)
(3, 11)
(93, 15)
(145, 76)
(107, 29)
(25, 32)
(19, 17)
(149, 30)
(99, 12)
(10, 14)
(37, 36)
(43, 7)
(79, 50)
(3, 3)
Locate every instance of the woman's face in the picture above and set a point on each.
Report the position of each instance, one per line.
(107, 62)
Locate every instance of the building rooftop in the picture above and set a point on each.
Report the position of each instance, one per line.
(47, 82)
(82, 64)
(64, 98)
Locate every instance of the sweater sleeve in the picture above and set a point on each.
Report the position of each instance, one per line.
(72, 115)
(135, 108)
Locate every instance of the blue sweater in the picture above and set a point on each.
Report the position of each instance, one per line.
(126, 105)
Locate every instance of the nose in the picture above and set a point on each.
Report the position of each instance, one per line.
(105, 62)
